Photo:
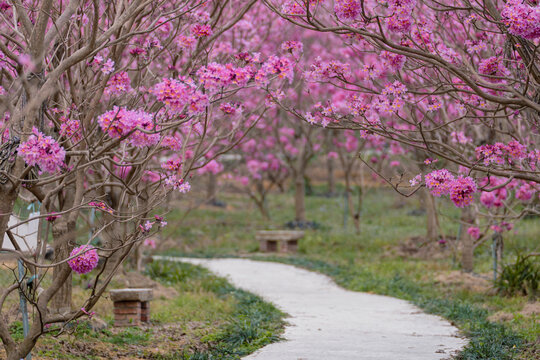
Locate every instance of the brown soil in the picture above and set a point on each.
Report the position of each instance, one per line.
(531, 309)
(418, 247)
(466, 281)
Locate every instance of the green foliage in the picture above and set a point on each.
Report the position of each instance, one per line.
(130, 336)
(521, 277)
(16, 330)
(171, 273)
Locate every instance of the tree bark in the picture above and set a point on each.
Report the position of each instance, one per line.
(432, 221)
(64, 237)
(7, 201)
(211, 187)
(467, 242)
(330, 176)
(300, 197)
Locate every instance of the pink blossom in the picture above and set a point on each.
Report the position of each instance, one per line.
(201, 30)
(151, 243)
(438, 182)
(332, 155)
(101, 206)
(121, 122)
(118, 83)
(86, 261)
(522, 19)
(347, 9)
(179, 95)
(42, 151)
(474, 232)
(108, 67)
(462, 190)
(294, 47)
(415, 180)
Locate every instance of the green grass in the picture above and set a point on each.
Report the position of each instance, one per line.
(369, 261)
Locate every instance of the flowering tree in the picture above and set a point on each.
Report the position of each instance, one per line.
(457, 81)
(260, 170)
(110, 106)
(350, 146)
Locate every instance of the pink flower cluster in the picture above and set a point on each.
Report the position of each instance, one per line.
(400, 21)
(172, 142)
(120, 122)
(42, 151)
(118, 83)
(493, 66)
(522, 19)
(283, 67)
(215, 76)
(499, 153)
(69, 128)
(294, 47)
(438, 182)
(230, 109)
(474, 232)
(347, 9)
(461, 189)
(326, 70)
(179, 94)
(86, 261)
(201, 30)
(101, 206)
(178, 184)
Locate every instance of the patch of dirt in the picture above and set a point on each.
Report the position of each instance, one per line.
(531, 309)
(501, 316)
(163, 341)
(137, 280)
(420, 248)
(467, 281)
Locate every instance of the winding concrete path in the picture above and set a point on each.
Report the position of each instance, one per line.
(328, 322)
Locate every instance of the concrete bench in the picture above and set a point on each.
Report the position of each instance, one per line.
(131, 306)
(285, 241)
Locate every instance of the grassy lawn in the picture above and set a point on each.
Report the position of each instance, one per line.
(195, 315)
(387, 257)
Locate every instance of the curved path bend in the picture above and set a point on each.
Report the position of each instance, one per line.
(328, 322)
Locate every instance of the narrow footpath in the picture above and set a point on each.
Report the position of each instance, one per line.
(328, 322)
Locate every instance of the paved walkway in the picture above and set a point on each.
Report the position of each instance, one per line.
(330, 323)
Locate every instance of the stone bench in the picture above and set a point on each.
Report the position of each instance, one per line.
(131, 306)
(285, 241)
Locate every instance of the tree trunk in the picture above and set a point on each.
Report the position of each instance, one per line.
(7, 201)
(432, 220)
(211, 187)
(64, 237)
(467, 242)
(300, 197)
(356, 215)
(330, 174)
